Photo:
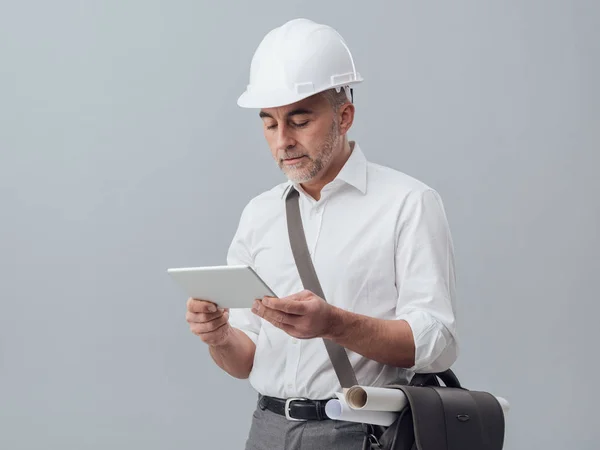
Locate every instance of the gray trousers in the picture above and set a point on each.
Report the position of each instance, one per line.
(270, 431)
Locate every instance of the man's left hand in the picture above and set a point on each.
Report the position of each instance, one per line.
(303, 315)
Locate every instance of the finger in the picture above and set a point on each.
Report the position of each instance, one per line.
(215, 337)
(289, 329)
(200, 306)
(272, 315)
(289, 305)
(216, 334)
(191, 317)
(209, 327)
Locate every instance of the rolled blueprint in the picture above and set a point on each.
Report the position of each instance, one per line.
(339, 410)
(376, 398)
(367, 398)
(504, 404)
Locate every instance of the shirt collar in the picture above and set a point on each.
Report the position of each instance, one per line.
(353, 173)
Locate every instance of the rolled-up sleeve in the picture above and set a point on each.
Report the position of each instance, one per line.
(425, 279)
(239, 253)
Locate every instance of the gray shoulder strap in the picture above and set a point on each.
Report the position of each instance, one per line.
(310, 281)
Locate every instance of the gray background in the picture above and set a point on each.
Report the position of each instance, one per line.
(122, 153)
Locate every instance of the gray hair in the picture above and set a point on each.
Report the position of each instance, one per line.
(336, 99)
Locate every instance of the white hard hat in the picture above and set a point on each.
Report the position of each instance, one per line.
(299, 59)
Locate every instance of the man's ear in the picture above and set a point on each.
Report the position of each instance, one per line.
(346, 117)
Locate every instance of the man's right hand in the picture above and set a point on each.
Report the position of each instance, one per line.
(208, 322)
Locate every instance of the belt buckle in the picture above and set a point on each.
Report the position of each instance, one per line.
(287, 408)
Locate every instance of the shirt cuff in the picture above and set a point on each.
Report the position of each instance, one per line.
(435, 347)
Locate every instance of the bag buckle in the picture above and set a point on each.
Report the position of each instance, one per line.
(375, 444)
(287, 408)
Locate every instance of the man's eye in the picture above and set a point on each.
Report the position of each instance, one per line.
(301, 125)
(271, 127)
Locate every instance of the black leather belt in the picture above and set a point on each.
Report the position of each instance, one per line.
(298, 409)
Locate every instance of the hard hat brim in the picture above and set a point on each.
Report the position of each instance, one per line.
(277, 98)
(270, 100)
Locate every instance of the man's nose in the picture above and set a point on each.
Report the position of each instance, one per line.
(285, 139)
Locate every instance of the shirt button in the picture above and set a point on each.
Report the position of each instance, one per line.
(294, 341)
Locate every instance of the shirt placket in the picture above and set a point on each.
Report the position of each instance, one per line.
(318, 221)
(291, 366)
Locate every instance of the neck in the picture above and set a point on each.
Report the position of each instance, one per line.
(314, 187)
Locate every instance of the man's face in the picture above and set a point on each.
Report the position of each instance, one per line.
(303, 137)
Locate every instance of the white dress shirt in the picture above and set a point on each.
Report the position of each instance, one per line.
(381, 247)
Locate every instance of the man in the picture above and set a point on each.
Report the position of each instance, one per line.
(379, 241)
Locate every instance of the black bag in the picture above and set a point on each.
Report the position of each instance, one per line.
(438, 417)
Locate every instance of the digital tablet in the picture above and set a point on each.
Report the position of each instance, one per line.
(227, 286)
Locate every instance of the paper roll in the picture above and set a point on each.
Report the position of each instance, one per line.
(504, 404)
(339, 410)
(376, 398)
(368, 398)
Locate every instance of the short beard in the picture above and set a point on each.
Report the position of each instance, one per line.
(310, 168)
